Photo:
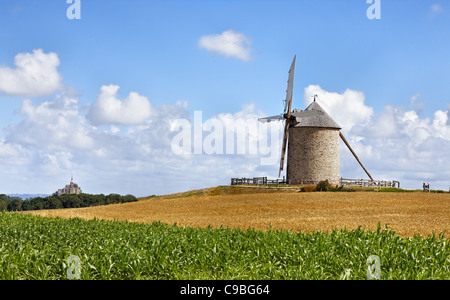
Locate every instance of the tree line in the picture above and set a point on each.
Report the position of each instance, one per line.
(8, 203)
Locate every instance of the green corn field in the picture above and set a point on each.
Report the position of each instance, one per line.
(34, 247)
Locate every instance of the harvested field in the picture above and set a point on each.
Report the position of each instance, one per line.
(406, 213)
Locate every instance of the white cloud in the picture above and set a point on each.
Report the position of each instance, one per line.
(108, 109)
(347, 109)
(229, 44)
(11, 154)
(435, 10)
(54, 125)
(415, 105)
(55, 140)
(35, 75)
(386, 125)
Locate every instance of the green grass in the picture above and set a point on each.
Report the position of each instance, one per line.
(38, 248)
(225, 190)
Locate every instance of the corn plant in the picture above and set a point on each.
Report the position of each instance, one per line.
(33, 247)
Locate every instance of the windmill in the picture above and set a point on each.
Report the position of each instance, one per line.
(311, 140)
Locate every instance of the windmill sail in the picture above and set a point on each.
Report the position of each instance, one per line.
(270, 119)
(287, 113)
(283, 149)
(290, 86)
(286, 116)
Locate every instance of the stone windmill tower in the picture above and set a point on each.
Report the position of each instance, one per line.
(311, 139)
(313, 148)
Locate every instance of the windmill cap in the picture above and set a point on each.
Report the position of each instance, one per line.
(323, 120)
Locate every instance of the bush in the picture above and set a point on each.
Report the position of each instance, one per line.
(337, 188)
(323, 186)
(308, 189)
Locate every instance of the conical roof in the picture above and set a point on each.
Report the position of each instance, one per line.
(323, 120)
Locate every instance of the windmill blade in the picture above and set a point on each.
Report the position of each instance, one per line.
(290, 87)
(283, 150)
(306, 113)
(271, 119)
(287, 113)
(354, 154)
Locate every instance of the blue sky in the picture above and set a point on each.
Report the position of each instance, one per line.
(399, 65)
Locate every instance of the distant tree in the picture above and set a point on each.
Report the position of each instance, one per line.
(37, 203)
(86, 200)
(113, 198)
(97, 200)
(63, 201)
(4, 201)
(52, 202)
(15, 205)
(128, 198)
(26, 205)
(4, 204)
(70, 201)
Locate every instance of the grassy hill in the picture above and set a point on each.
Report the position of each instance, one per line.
(225, 190)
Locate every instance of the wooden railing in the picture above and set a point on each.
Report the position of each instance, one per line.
(369, 183)
(258, 181)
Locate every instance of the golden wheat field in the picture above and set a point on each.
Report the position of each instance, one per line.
(407, 213)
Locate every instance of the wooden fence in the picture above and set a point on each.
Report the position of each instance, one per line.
(369, 183)
(263, 181)
(256, 181)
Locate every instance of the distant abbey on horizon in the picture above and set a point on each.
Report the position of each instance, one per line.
(70, 189)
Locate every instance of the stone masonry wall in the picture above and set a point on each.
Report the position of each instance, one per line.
(313, 155)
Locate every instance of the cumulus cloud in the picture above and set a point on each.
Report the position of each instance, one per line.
(229, 145)
(108, 109)
(54, 125)
(347, 109)
(241, 133)
(416, 105)
(55, 140)
(437, 8)
(229, 43)
(36, 74)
